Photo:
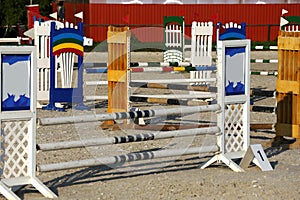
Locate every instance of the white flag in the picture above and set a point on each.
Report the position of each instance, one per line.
(283, 21)
(79, 15)
(30, 33)
(284, 11)
(54, 15)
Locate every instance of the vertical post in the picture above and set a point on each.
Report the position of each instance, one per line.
(118, 40)
(234, 99)
(288, 85)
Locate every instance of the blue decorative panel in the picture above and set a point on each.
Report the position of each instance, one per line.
(15, 91)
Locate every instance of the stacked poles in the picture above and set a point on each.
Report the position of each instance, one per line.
(144, 155)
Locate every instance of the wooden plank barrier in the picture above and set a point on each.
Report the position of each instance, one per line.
(288, 84)
(118, 41)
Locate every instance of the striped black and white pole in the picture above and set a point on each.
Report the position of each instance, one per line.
(264, 109)
(168, 101)
(127, 139)
(159, 64)
(264, 73)
(128, 115)
(121, 159)
(260, 47)
(264, 60)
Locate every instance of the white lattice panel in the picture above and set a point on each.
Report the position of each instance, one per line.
(14, 139)
(234, 140)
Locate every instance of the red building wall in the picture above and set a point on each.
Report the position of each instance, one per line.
(262, 20)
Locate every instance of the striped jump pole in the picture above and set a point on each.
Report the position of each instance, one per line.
(258, 60)
(168, 101)
(158, 64)
(127, 139)
(156, 69)
(169, 127)
(264, 60)
(203, 88)
(128, 115)
(264, 73)
(264, 47)
(121, 159)
(265, 109)
(260, 47)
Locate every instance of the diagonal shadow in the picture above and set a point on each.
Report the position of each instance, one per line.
(106, 173)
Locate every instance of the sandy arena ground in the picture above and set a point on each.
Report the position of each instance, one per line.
(168, 178)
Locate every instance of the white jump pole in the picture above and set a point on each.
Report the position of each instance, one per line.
(95, 83)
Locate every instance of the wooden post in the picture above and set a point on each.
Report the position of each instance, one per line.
(118, 41)
(288, 85)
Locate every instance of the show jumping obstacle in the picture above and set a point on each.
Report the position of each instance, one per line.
(288, 82)
(232, 128)
(233, 123)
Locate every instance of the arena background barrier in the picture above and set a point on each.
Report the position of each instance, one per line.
(288, 82)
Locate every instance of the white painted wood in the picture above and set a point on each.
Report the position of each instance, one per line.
(18, 166)
(234, 121)
(201, 54)
(201, 49)
(257, 155)
(174, 35)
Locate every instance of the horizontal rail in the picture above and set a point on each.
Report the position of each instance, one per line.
(127, 139)
(128, 115)
(94, 83)
(145, 155)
